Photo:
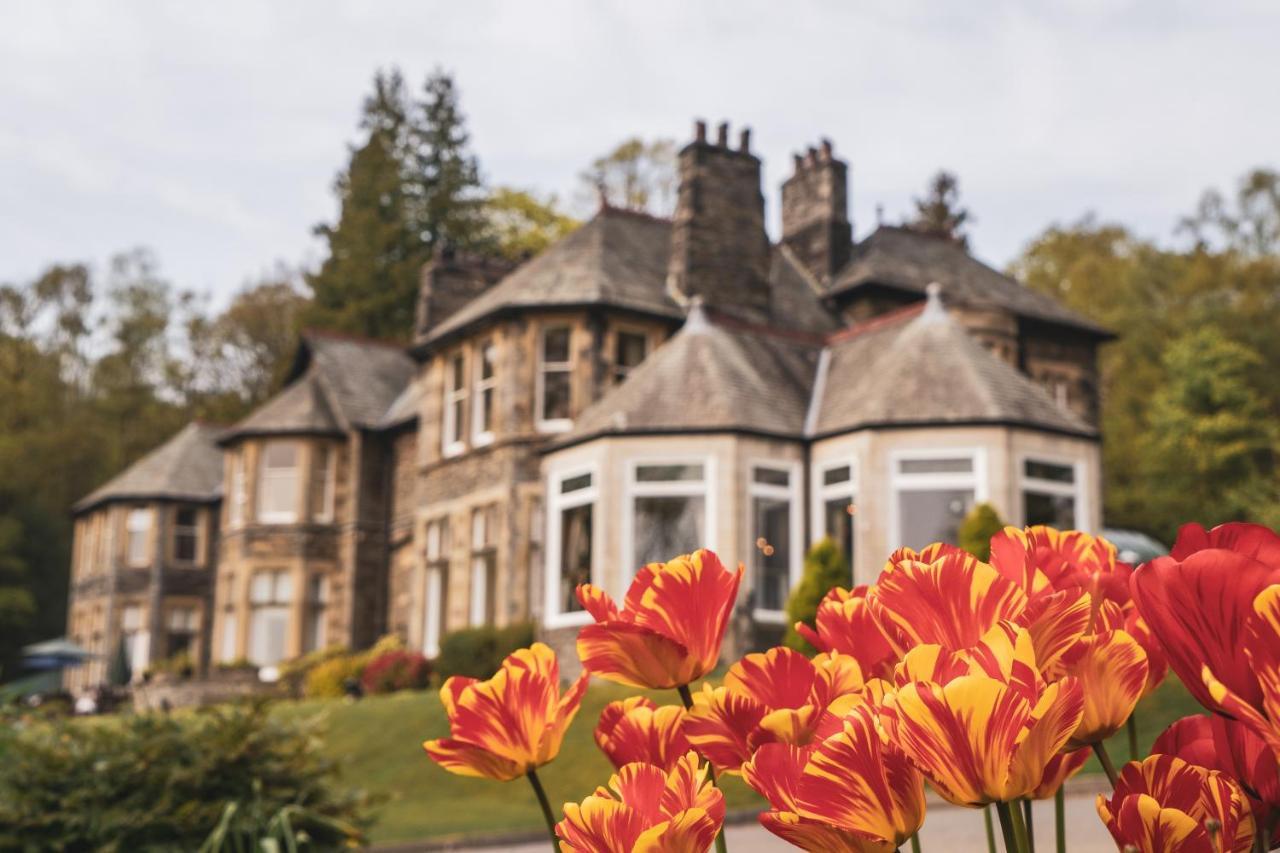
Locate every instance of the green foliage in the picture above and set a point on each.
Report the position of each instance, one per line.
(294, 673)
(976, 530)
(522, 225)
(328, 671)
(939, 213)
(162, 781)
(479, 652)
(248, 828)
(825, 567)
(636, 175)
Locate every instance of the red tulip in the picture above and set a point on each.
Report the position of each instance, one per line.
(637, 730)
(1164, 805)
(844, 624)
(1042, 560)
(669, 630)
(1262, 651)
(1235, 750)
(1198, 600)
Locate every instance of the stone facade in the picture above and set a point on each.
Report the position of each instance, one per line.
(815, 212)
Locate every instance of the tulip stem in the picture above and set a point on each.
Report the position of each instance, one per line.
(1132, 726)
(546, 808)
(1031, 829)
(991, 830)
(915, 843)
(1100, 750)
(1006, 828)
(687, 698)
(1020, 829)
(1060, 818)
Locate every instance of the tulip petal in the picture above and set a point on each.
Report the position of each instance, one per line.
(688, 600)
(1060, 768)
(845, 624)
(689, 831)
(778, 678)
(1056, 622)
(1055, 717)
(688, 787)
(641, 787)
(1140, 821)
(774, 773)
(1252, 540)
(635, 656)
(1112, 670)
(635, 729)
(597, 602)
(465, 759)
(721, 724)
(599, 824)
(814, 835)
(510, 713)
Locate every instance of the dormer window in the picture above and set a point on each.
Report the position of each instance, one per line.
(629, 350)
(278, 483)
(555, 372)
(455, 405)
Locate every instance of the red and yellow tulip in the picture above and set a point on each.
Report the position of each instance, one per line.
(669, 630)
(1199, 600)
(844, 624)
(776, 696)
(1060, 768)
(986, 726)
(1112, 670)
(1042, 560)
(646, 809)
(511, 724)
(850, 793)
(1262, 652)
(1165, 805)
(637, 730)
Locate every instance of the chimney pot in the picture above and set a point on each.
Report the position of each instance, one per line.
(744, 140)
(799, 161)
(700, 131)
(827, 149)
(722, 134)
(811, 156)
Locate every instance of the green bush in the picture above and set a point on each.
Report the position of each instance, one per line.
(327, 675)
(976, 530)
(825, 567)
(478, 652)
(396, 670)
(163, 781)
(294, 673)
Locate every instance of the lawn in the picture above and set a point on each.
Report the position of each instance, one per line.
(378, 741)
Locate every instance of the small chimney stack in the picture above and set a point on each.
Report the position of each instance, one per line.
(815, 211)
(722, 134)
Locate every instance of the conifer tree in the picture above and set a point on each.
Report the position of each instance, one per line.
(939, 213)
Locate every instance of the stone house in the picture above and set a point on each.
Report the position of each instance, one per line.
(643, 387)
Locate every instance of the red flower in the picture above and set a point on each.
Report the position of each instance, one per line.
(1164, 804)
(1231, 748)
(1198, 600)
(637, 730)
(1262, 650)
(669, 631)
(1042, 559)
(844, 624)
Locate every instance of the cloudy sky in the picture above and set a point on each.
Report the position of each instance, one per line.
(211, 132)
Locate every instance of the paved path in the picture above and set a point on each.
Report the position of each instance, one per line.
(947, 829)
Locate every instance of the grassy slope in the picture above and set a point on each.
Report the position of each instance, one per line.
(379, 742)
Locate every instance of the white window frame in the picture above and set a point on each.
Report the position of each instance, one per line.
(977, 479)
(481, 437)
(633, 488)
(795, 506)
(435, 579)
(543, 423)
(478, 591)
(239, 491)
(289, 516)
(451, 437)
(821, 493)
(556, 504)
(276, 604)
(330, 482)
(181, 529)
(315, 620)
(130, 530)
(1075, 489)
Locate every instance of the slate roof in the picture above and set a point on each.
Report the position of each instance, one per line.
(711, 375)
(908, 261)
(404, 409)
(922, 367)
(187, 467)
(336, 383)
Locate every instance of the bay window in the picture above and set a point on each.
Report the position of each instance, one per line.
(270, 599)
(278, 483)
(186, 534)
(486, 384)
(836, 493)
(775, 540)
(571, 505)
(1050, 494)
(555, 376)
(932, 493)
(667, 510)
(435, 585)
(455, 405)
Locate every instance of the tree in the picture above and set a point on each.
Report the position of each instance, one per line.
(522, 225)
(636, 175)
(1252, 228)
(411, 185)
(939, 213)
(17, 603)
(825, 567)
(976, 530)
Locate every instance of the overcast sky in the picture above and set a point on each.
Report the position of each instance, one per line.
(211, 132)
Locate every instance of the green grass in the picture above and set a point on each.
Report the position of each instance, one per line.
(378, 742)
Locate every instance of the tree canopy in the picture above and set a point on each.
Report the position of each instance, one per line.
(939, 212)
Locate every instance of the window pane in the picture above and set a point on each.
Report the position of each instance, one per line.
(575, 554)
(932, 516)
(555, 345)
(629, 351)
(486, 362)
(838, 524)
(280, 454)
(433, 540)
(184, 545)
(1054, 510)
(267, 628)
(668, 473)
(959, 465)
(771, 476)
(230, 626)
(840, 474)
(186, 517)
(574, 484)
(483, 571)
(284, 587)
(773, 575)
(261, 588)
(457, 377)
(1049, 471)
(555, 395)
(666, 527)
(433, 616)
(484, 410)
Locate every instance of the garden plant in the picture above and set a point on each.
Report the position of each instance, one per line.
(989, 681)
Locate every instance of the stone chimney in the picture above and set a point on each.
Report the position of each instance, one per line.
(719, 248)
(450, 280)
(815, 212)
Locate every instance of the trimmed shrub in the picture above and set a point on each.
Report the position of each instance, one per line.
(397, 670)
(294, 673)
(162, 781)
(825, 567)
(327, 680)
(479, 652)
(976, 530)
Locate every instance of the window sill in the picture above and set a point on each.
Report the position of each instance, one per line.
(575, 619)
(771, 617)
(557, 425)
(453, 450)
(482, 439)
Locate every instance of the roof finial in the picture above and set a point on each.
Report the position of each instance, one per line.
(696, 320)
(934, 310)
